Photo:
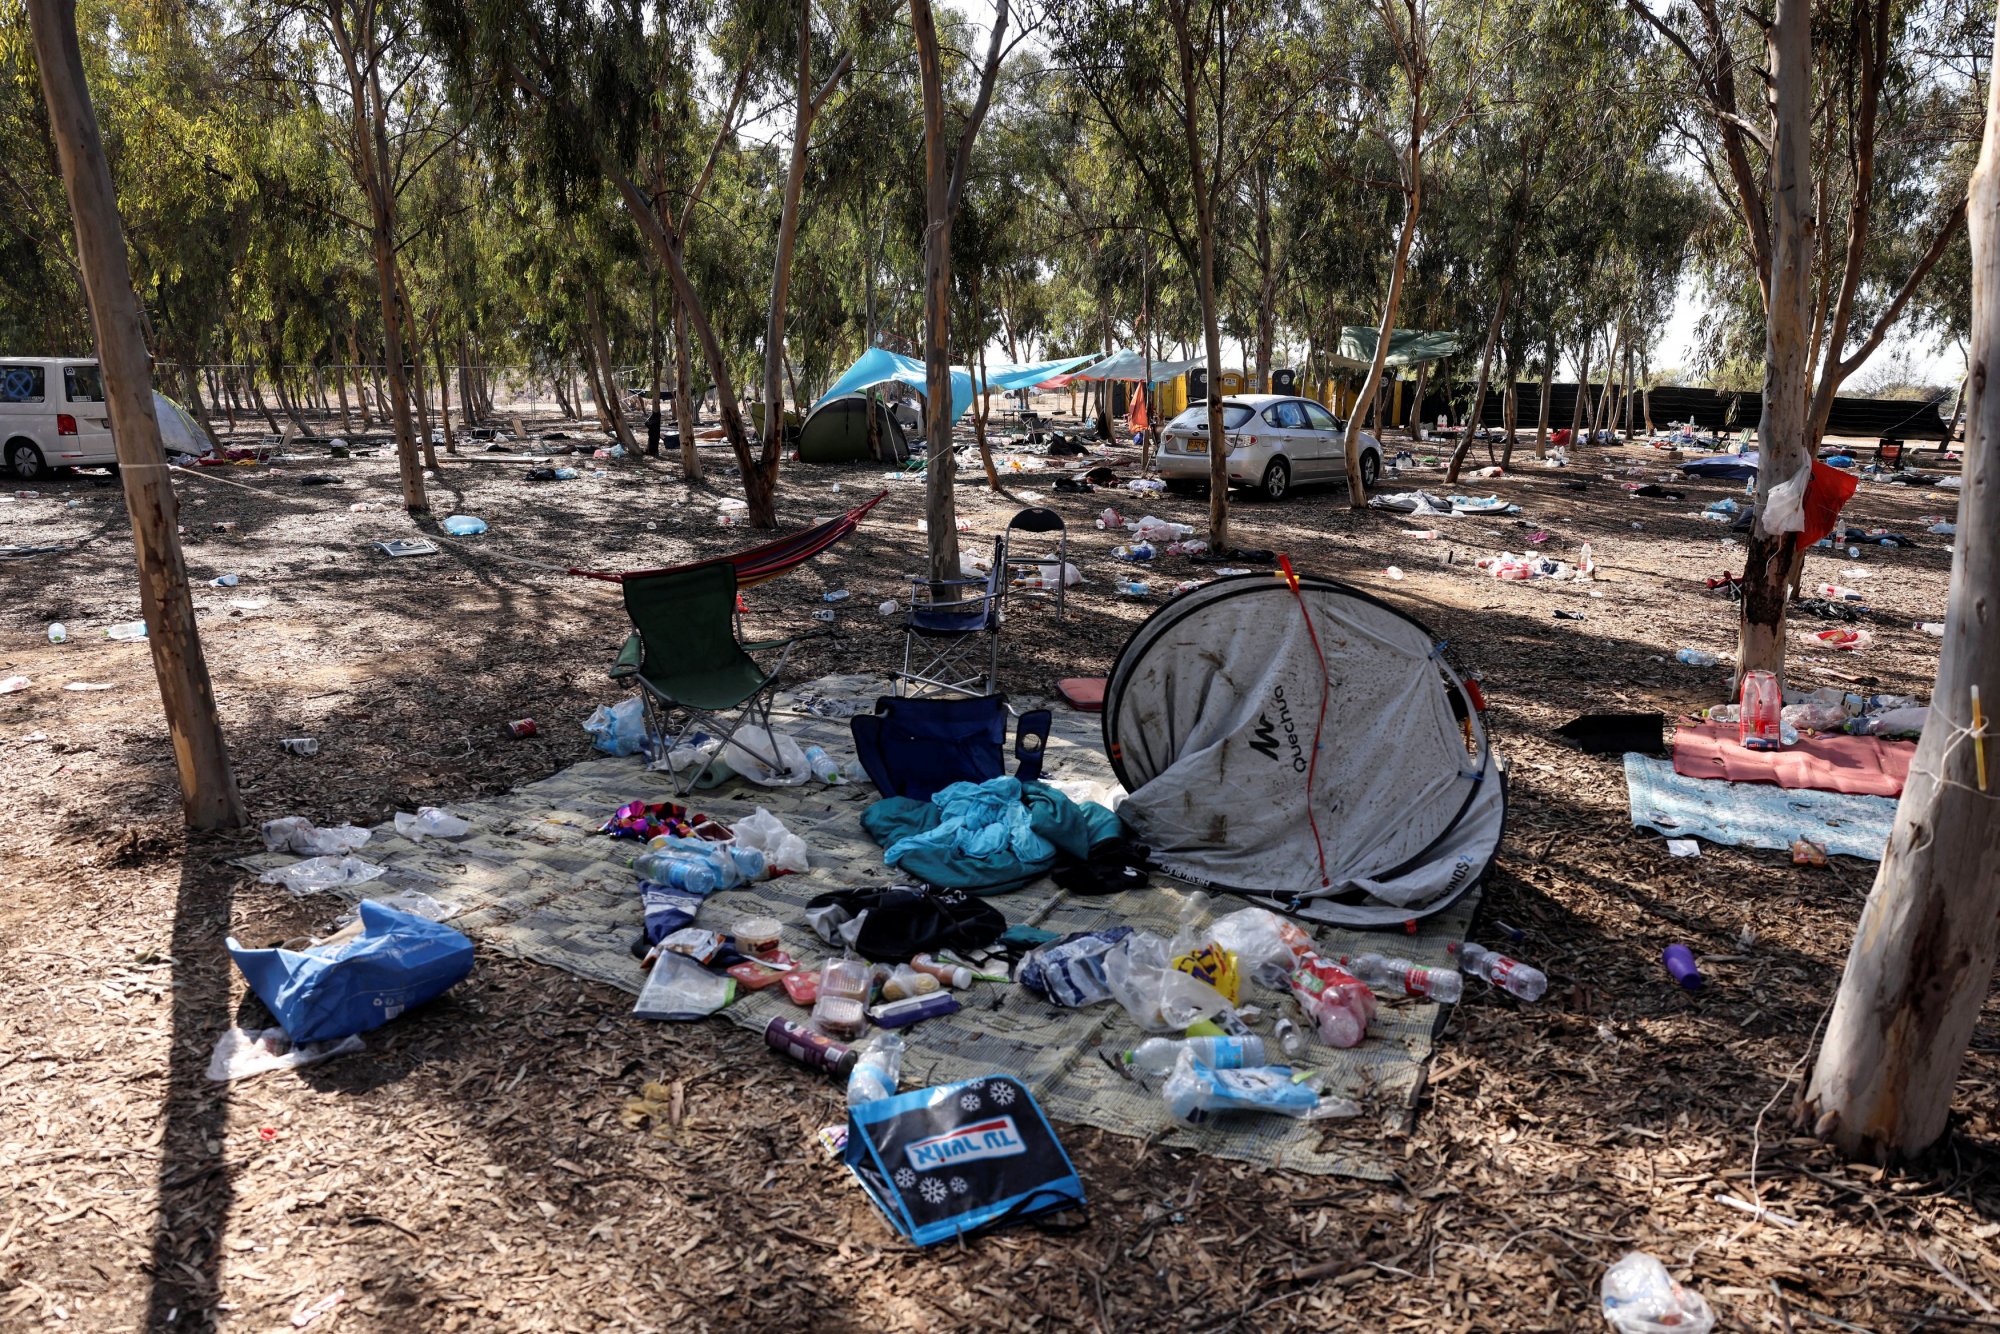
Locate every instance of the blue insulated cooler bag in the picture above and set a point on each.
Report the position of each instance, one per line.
(948, 1161)
(399, 960)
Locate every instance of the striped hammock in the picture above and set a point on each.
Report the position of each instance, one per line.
(760, 565)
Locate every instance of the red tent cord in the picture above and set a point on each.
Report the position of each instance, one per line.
(1325, 688)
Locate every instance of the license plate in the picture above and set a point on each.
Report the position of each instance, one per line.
(1196, 444)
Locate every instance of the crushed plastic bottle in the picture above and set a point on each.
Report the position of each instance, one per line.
(430, 822)
(224, 581)
(1695, 657)
(128, 632)
(1196, 1093)
(834, 595)
(1641, 1297)
(1443, 985)
(1510, 975)
(1134, 588)
(877, 1070)
(1157, 1056)
(317, 873)
(1339, 1004)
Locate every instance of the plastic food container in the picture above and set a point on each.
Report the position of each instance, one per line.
(758, 935)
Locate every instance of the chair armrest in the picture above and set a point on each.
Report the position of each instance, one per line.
(758, 646)
(629, 657)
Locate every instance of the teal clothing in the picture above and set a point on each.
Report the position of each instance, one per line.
(989, 836)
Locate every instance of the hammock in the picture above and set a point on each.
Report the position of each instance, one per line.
(760, 565)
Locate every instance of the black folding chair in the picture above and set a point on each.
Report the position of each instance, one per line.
(1026, 574)
(941, 637)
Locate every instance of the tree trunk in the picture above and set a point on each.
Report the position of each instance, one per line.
(1582, 393)
(1510, 410)
(1784, 433)
(1472, 418)
(655, 337)
(444, 398)
(1211, 325)
(1417, 391)
(1542, 406)
(613, 404)
(1267, 285)
(1413, 199)
(981, 406)
(686, 415)
(1922, 960)
(209, 799)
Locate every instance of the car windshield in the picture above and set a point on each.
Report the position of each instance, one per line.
(84, 384)
(1196, 419)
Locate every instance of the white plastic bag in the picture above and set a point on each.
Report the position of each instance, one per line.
(1159, 997)
(1641, 1297)
(746, 754)
(430, 822)
(783, 850)
(1150, 529)
(317, 873)
(295, 833)
(247, 1051)
(1785, 507)
(1256, 937)
(618, 729)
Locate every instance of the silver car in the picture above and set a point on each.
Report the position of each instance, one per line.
(1275, 442)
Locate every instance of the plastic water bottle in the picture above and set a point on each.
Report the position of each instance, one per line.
(1134, 588)
(59, 633)
(877, 1071)
(1510, 975)
(677, 871)
(224, 581)
(837, 595)
(1156, 1056)
(823, 767)
(128, 632)
(1291, 1038)
(1443, 985)
(1695, 657)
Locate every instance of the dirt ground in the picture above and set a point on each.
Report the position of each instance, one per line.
(470, 1169)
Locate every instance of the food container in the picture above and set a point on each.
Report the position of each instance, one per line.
(758, 935)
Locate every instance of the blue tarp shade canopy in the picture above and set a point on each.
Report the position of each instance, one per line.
(1407, 347)
(1126, 365)
(881, 366)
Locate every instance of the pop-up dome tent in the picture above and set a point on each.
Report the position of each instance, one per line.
(836, 431)
(1210, 720)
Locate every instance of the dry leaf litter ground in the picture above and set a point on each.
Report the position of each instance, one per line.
(472, 1169)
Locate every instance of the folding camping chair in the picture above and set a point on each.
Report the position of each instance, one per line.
(684, 655)
(1037, 519)
(915, 747)
(950, 632)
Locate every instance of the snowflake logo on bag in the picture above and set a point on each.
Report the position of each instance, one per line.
(969, 1100)
(959, 1185)
(905, 1177)
(1001, 1094)
(934, 1191)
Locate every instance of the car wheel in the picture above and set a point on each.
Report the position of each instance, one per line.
(1277, 483)
(1371, 468)
(25, 461)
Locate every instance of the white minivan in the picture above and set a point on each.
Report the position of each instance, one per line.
(52, 415)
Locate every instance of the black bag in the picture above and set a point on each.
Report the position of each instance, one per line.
(960, 1158)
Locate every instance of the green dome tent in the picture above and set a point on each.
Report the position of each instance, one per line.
(836, 431)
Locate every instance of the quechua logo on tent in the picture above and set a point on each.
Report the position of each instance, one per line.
(1264, 736)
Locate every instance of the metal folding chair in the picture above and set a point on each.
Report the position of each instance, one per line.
(1024, 572)
(949, 624)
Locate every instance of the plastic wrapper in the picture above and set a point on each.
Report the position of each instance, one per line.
(242, 1052)
(1159, 997)
(877, 1071)
(618, 729)
(752, 749)
(1641, 1297)
(318, 873)
(1074, 970)
(1266, 946)
(680, 988)
(430, 822)
(1195, 1093)
(783, 850)
(295, 833)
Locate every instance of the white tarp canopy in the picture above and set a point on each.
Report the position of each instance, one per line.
(1127, 365)
(1211, 716)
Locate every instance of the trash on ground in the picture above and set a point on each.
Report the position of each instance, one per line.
(1640, 1297)
(430, 822)
(1683, 847)
(88, 685)
(242, 1052)
(464, 525)
(299, 745)
(358, 979)
(296, 834)
(12, 684)
(325, 872)
(127, 632)
(1681, 966)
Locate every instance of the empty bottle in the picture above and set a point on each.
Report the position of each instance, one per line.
(823, 767)
(1695, 657)
(1442, 985)
(59, 633)
(678, 870)
(1134, 588)
(876, 1071)
(1291, 1038)
(129, 631)
(1156, 1056)
(224, 581)
(1510, 975)
(837, 595)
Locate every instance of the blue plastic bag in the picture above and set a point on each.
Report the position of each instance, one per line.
(618, 729)
(399, 960)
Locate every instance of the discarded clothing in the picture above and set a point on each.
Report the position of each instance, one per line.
(987, 836)
(904, 920)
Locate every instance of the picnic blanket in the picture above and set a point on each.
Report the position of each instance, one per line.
(535, 880)
(1755, 815)
(1862, 765)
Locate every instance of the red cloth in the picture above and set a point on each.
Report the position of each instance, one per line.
(1136, 419)
(1559, 437)
(1829, 490)
(1865, 765)
(1085, 693)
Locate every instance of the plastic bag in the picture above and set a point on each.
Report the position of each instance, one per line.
(353, 985)
(1150, 529)
(430, 822)
(1641, 1297)
(295, 833)
(746, 754)
(1074, 970)
(783, 850)
(1159, 997)
(1266, 946)
(317, 873)
(618, 729)
(1195, 1093)
(243, 1052)
(1785, 506)
(464, 525)
(680, 988)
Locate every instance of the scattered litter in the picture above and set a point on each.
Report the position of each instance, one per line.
(1933, 628)
(299, 745)
(783, 850)
(408, 546)
(249, 604)
(88, 685)
(1842, 638)
(618, 729)
(1640, 1297)
(1683, 847)
(464, 525)
(306, 1315)
(298, 835)
(12, 684)
(430, 822)
(1694, 657)
(1681, 966)
(58, 633)
(1393, 572)
(128, 632)
(224, 581)
(243, 1052)
(318, 873)
(358, 979)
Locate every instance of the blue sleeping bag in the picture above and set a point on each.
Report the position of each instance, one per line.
(986, 837)
(399, 960)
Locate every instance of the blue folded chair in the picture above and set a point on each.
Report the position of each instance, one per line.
(941, 637)
(915, 747)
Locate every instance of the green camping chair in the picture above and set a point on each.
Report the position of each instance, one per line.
(684, 656)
